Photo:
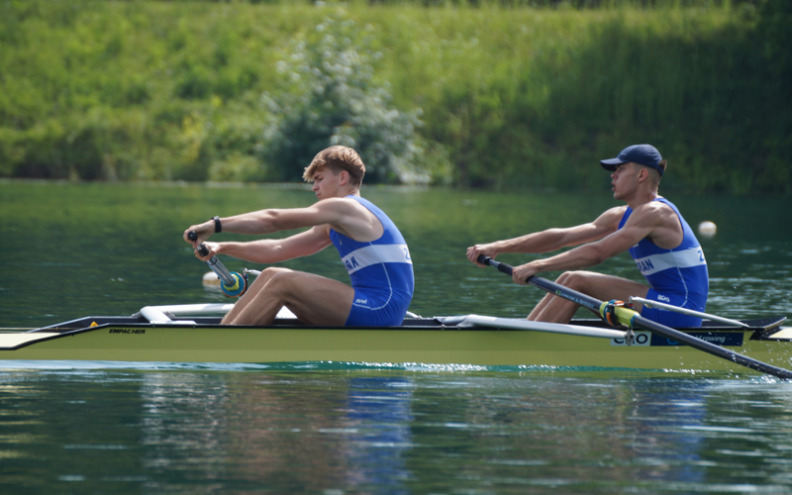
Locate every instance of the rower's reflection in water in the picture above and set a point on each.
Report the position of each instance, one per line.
(379, 414)
(263, 431)
(375, 432)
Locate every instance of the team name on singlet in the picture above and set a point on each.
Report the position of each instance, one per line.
(686, 258)
(376, 254)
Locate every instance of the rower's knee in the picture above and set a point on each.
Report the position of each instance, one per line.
(276, 280)
(269, 273)
(579, 280)
(568, 278)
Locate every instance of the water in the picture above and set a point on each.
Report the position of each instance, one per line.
(68, 250)
(258, 430)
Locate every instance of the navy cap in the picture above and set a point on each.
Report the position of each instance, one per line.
(642, 154)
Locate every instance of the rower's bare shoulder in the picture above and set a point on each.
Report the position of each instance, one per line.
(353, 219)
(335, 202)
(341, 206)
(612, 215)
(653, 210)
(663, 220)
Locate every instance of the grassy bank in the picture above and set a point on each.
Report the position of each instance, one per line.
(487, 96)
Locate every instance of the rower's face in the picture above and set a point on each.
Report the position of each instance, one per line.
(624, 180)
(326, 183)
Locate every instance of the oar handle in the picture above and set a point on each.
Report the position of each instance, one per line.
(503, 267)
(214, 263)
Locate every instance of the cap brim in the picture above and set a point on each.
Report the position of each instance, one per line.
(611, 163)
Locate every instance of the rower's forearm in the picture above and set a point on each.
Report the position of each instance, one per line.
(266, 251)
(581, 257)
(258, 222)
(537, 242)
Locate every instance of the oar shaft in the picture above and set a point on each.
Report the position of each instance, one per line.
(214, 262)
(636, 319)
(218, 267)
(711, 348)
(685, 311)
(577, 297)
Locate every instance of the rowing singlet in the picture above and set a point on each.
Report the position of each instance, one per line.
(676, 276)
(381, 273)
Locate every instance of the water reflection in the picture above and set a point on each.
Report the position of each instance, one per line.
(379, 417)
(390, 431)
(669, 419)
(296, 434)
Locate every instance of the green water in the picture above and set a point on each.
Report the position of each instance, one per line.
(69, 250)
(380, 431)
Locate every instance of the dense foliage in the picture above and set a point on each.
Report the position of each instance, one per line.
(334, 99)
(475, 94)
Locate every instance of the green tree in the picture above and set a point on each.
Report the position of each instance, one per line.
(334, 98)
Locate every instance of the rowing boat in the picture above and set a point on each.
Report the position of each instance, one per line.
(192, 333)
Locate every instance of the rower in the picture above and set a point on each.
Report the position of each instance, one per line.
(650, 227)
(369, 243)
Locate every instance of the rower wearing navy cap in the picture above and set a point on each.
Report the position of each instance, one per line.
(649, 227)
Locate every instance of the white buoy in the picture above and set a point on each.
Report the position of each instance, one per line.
(707, 229)
(211, 278)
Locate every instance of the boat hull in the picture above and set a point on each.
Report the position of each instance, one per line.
(119, 340)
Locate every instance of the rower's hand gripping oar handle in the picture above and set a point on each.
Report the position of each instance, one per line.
(232, 283)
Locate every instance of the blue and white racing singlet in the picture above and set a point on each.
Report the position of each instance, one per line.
(381, 273)
(676, 276)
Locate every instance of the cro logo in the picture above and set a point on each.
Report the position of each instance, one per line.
(640, 338)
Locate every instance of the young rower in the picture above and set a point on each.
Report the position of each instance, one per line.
(649, 226)
(371, 247)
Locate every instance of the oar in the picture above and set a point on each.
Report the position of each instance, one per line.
(685, 311)
(231, 283)
(631, 318)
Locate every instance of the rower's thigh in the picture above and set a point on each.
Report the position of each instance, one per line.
(314, 299)
(603, 286)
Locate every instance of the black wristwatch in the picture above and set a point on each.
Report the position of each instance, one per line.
(218, 225)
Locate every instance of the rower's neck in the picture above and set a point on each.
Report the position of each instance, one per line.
(641, 198)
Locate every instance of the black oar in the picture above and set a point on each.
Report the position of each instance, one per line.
(631, 318)
(231, 283)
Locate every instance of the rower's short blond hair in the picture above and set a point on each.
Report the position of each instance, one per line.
(337, 158)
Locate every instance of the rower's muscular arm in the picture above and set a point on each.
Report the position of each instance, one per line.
(274, 219)
(641, 224)
(267, 251)
(552, 239)
(341, 214)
